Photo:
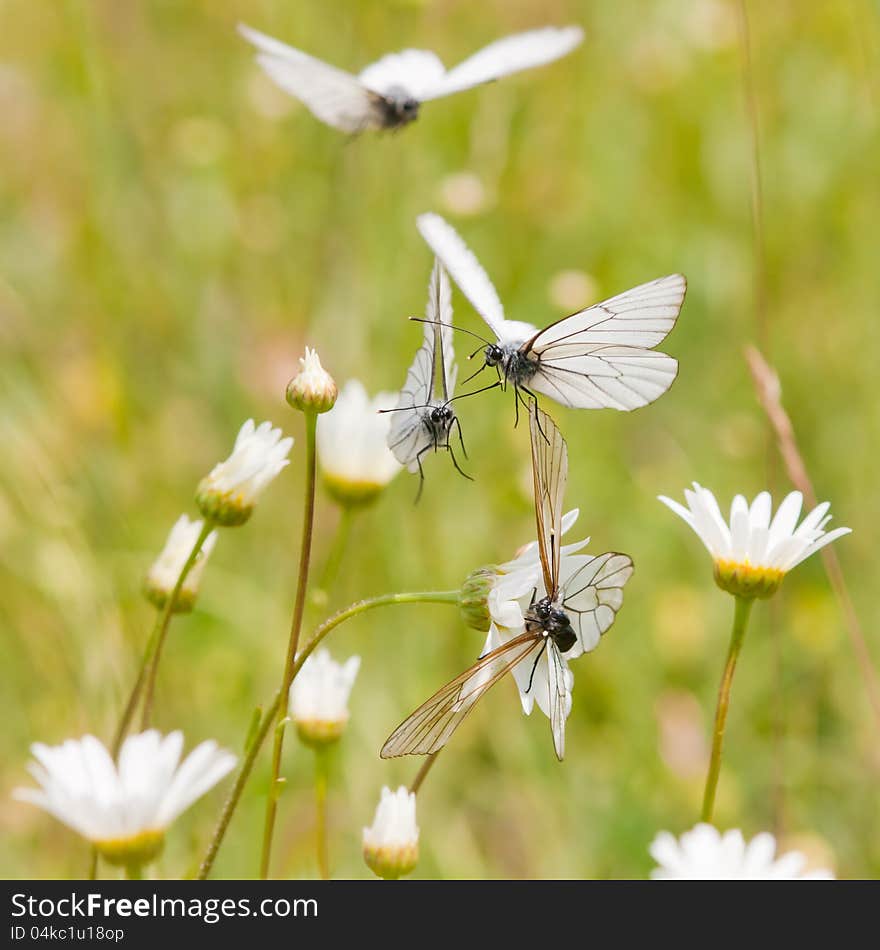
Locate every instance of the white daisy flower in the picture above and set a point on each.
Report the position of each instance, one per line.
(318, 702)
(124, 810)
(162, 576)
(228, 494)
(520, 581)
(753, 553)
(391, 843)
(704, 854)
(313, 389)
(353, 453)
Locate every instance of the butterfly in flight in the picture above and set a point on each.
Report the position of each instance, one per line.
(577, 602)
(388, 93)
(598, 358)
(424, 416)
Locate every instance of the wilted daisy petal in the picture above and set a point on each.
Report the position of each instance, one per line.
(356, 463)
(755, 552)
(162, 576)
(124, 810)
(703, 853)
(228, 494)
(391, 843)
(319, 695)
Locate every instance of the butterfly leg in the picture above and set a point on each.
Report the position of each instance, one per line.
(457, 466)
(535, 665)
(460, 438)
(421, 473)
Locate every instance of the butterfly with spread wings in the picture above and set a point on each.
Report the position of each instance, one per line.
(387, 94)
(598, 358)
(565, 617)
(424, 416)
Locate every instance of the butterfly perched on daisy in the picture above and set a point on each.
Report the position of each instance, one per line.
(574, 599)
(389, 93)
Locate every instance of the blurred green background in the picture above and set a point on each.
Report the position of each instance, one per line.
(174, 230)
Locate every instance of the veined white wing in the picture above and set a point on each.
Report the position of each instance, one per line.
(428, 728)
(330, 94)
(601, 357)
(431, 377)
(550, 473)
(415, 70)
(464, 268)
(505, 56)
(593, 593)
(559, 681)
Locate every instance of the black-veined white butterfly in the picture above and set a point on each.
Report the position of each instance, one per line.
(424, 416)
(566, 616)
(599, 358)
(387, 94)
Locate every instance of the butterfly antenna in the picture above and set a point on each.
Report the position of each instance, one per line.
(484, 389)
(454, 326)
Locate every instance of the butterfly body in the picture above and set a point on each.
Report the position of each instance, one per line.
(552, 622)
(515, 365)
(397, 107)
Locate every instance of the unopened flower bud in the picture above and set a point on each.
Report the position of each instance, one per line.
(313, 389)
(391, 843)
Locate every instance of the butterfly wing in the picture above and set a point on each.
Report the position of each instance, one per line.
(505, 56)
(593, 594)
(464, 268)
(550, 473)
(602, 357)
(414, 70)
(332, 95)
(438, 313)
(559, 681)
(429, 728)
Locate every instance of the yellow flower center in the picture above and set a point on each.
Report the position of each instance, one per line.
(350, 492)
(137, 850)
(747, 580)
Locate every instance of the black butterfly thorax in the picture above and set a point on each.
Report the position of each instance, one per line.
(438, 418)
(546, 618)
(515, 363)
(398, 107)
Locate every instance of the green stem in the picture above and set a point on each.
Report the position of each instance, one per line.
(134, 872)
(361, 606)
(740, 620)
(321, 781)
(422, 773)
(293, 640)
(134, 696)
(165, 620)
(92, 872)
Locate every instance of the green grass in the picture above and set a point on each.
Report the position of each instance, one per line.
(173, 231)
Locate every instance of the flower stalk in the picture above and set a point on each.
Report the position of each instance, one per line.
(262, 731)
(151, 668)
(311, 418)
(322, 769)
(740, 621)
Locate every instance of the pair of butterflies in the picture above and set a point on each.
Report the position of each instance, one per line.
(598, 358)
(388, 93)
(569, 613)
